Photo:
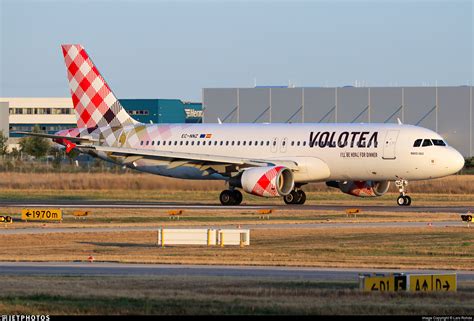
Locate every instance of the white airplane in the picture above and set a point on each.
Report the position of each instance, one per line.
(268, 160)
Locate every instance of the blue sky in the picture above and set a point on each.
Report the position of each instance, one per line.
(164, 49)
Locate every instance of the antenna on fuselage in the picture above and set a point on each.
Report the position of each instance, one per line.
(399, 121)
(219, 121)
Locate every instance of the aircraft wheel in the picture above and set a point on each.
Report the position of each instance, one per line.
(237, 195)
(291, 198)
(301, 197)
(401, 200)
(407, 200)
(227, 198)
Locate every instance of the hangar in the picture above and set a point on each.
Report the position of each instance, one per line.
(446, 110)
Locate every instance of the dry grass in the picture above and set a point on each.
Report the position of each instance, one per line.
(458, 184)
(397, 248)
(215, 295)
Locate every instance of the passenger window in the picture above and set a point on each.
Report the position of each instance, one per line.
(304, 143)
(221, 143)
(157, 143)
(169, 143)
(256, 143)
(427, 142)
(181, 143)
(417, 143)
(298, 143)
(232, 143)
(227, 143)
(152, 143)
(244, 142)
(215, 143)
(261, 143)
(250, 143)
(199, 142)
(192, 143)
(268, 142)
(147, 142)
(175, 143)
(438, 142)
(141, 143)
(187, 143)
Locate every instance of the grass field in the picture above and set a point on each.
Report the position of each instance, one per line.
(382, 247)
(215, 295)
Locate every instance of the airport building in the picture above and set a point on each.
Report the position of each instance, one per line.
(446, 110)
(4, 118)
(54, 114)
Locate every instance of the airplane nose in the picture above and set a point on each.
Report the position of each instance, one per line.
(457, 161)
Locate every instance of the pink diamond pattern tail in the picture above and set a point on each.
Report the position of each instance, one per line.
(94, 102)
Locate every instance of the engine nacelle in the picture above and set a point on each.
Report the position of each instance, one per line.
(362, 188)
(272, 181)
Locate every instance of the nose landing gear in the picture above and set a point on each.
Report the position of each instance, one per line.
(403, 199)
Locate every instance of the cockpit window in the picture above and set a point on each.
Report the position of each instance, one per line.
(438, 142)
(417, 143)
(427, 142)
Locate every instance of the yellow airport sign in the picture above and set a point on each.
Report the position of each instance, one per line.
(41, 215)
(433, 282)
(391, 283)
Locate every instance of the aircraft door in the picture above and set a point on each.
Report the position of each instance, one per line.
(284, 142)
(274, 145)
(390, 143)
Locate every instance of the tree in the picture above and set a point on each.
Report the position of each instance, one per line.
(34, 145)
(3, 143)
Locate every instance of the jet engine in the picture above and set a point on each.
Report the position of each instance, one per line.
(361, 188)
(271, 181)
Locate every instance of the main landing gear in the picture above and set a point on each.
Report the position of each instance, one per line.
(295, 197)
(231, 197)
(403, 199)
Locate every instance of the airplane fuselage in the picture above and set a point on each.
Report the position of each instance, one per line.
(324, 151)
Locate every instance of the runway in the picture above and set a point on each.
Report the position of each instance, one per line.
(175, 205)
(99, 268)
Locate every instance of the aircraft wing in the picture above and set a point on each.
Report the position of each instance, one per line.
(72, 139)
(178, 158)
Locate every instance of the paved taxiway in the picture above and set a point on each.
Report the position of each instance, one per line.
(99, 268)
(168, 205)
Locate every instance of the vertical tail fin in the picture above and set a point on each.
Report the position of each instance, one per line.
(94, 102)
